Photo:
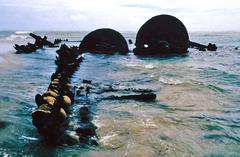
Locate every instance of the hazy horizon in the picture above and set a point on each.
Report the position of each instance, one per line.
(123, 31)
(121, 15)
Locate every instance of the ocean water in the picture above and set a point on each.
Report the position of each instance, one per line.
(196, 112)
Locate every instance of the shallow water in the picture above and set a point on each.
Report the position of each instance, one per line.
(196, 112)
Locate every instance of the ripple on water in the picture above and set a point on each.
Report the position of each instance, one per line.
(196, 112)
(147, 127)
(219, 128)
(222, 77)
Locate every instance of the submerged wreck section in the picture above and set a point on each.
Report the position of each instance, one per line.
(39, 43)
(165, 36)
(201, 47)
(104, 40)
(162, 35)
(53, 105)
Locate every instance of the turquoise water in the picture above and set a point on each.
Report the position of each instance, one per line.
(196, 112)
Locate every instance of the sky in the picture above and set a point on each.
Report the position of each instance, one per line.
(121, 15)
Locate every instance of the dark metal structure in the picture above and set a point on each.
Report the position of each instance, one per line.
(162, 35)
(104, 40)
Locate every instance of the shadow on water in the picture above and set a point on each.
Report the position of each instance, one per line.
(4, 124)
(168, 59)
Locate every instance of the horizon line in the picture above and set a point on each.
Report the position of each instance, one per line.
(192, 31)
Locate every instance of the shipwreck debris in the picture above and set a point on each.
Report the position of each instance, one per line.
(53, 105)
(39, 43)
(87, 130)
(201, 47)
(139, 97)
(164, 36)
(130, 41)
(104, 40)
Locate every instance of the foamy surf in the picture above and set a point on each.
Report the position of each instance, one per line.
(18, 36)
(14, 37)
(23, 32)
(170, 81)
(138, 64)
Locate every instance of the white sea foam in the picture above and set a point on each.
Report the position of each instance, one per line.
(18, 35)
(106, 138)
(23, 32)
(29, 138)
(13, 37)
(5, 155)
(139, 64)
(170, 81)
(149, 66)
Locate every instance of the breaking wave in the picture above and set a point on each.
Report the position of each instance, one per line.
(18, 35)
(14, 37)
(23, 32)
